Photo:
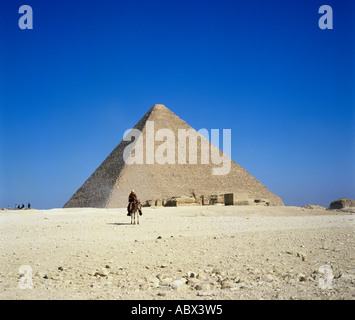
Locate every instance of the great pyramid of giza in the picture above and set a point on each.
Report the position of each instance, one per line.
(111, 183)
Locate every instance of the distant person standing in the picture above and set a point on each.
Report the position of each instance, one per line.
(28, 206)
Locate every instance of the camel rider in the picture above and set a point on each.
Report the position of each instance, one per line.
(131, 199)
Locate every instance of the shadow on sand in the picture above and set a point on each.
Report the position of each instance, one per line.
(120, 223)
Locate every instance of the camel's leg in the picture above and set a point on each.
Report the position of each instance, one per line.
(137, 213)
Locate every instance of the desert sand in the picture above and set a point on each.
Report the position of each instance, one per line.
(202, 252)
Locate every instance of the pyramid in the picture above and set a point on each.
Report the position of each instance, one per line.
(111, 183)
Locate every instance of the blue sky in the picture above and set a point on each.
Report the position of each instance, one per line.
(89, 70)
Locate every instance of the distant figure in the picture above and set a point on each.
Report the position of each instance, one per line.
(28, 206)
(22, 206)
(131, 198)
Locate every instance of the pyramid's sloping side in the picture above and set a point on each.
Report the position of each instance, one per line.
(111, 183)
(96, 190)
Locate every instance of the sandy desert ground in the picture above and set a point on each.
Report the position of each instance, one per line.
(210, 252)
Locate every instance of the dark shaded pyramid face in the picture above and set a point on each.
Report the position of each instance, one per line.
(163, 157)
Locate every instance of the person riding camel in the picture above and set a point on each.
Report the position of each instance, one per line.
(131, 199)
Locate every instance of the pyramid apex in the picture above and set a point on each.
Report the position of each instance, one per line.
(159, 107)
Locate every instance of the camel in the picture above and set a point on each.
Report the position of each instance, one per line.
(135, 211)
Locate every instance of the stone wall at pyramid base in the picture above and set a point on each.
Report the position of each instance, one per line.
(227, 199)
